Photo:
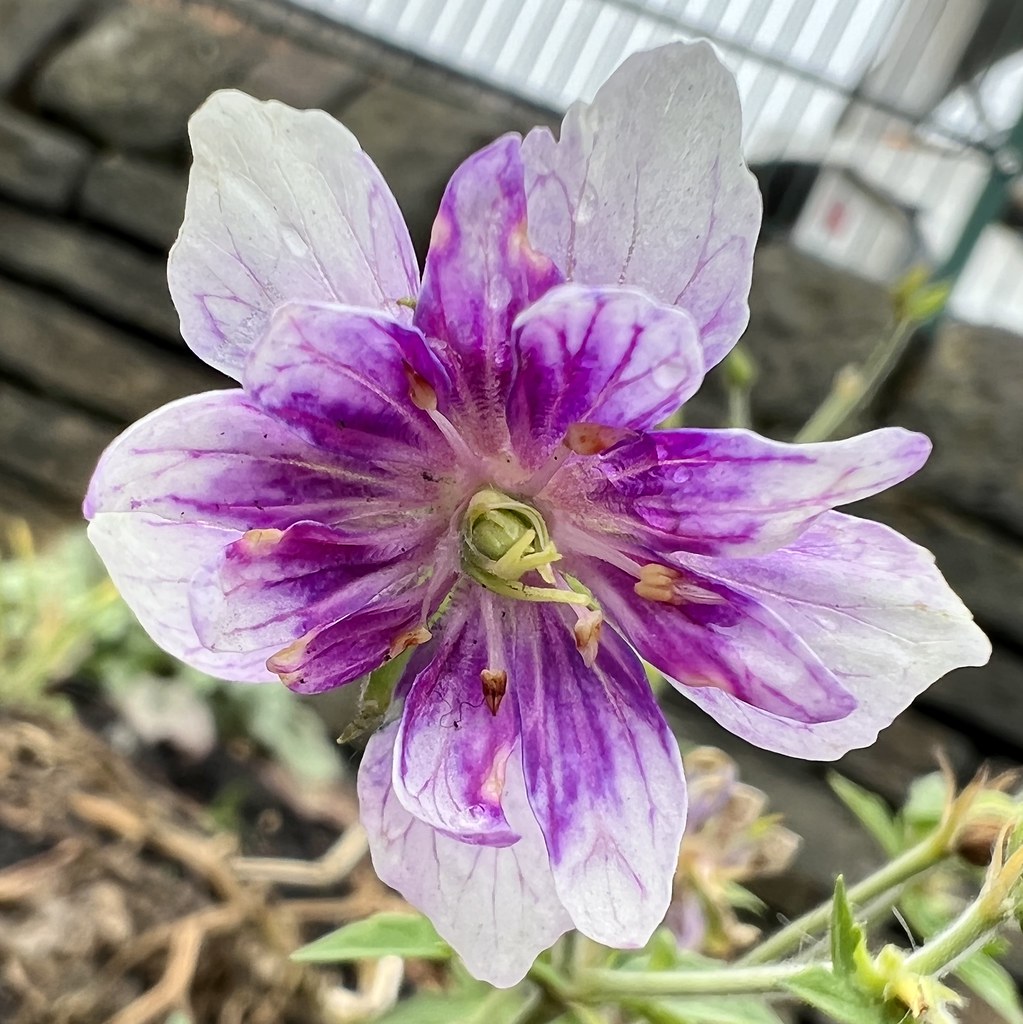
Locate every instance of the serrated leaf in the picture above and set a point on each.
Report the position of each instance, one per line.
(838, 997)
(405, 935)
(846, 934)
(871, 811)
(989, 980)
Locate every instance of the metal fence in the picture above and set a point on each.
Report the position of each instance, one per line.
(881, 130)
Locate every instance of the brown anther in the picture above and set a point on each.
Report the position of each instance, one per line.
(592, 438)
(412, 638)
(658, 583)
(587, 635)
(420, 390)
(495, 685)
(258, 542)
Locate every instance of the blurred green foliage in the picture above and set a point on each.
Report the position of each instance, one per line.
(62, 620)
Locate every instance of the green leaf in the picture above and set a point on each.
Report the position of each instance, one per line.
(726, 1010)
(871, 811)
(992, 982)
(926, 802)
(407, 935)
(479, 1004)
(838, 997)
(846, 934)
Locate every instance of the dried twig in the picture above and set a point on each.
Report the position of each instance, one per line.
(333, 867)
(171, 991)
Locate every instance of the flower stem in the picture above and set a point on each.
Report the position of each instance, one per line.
(914, 861)
(606, 985)
(854, 387)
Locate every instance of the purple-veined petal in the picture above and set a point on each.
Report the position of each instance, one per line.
(218, 459)
(603, 775)
(496, 906)
(874, 608)
(328, 370)
(647, 187)
(339, 652)
(722, 640)
(151, 561)
(730, 492)
(282, 205)
(270, 587)
(598, 355)
(452, 752)
(480, 273)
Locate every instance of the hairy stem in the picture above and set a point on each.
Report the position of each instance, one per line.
(913, 862)
(855, 387)
(609, 986)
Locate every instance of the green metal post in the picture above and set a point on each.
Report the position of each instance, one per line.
(1006, 164)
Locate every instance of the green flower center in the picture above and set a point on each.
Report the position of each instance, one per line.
(503, 540)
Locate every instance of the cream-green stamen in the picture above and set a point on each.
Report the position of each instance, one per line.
(503, 539)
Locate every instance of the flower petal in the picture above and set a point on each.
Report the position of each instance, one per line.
(328, 370)
(598, 355)
(362, 640)
(270, 587)
(725, 641)
(219, 460)
(151, 561)
(647, 187)
(603, 775)
(873, 607)
(725, 492)
(282, 205)
(480, 274)
(496, 906)
(452, 752)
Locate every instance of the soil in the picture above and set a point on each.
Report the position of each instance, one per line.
(120, 902)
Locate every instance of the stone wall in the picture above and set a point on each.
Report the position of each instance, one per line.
(94, 98)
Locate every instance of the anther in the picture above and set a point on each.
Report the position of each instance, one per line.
(495, 685)
(587, 634)
(592, 438)
(421, 391)
(662, 583)
(413, 638)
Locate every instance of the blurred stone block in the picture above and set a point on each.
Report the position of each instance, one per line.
(990, 697)
(807, 321)
(966, 397)
(26, 26)
(417, 141)
(301, 77)
(134, 77)
(69, 354)
(984, 568)
(140, 198)
(49, 444)
(107, 275)
(39, 164)
(904, 751)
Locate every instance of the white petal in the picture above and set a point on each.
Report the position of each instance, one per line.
(647, 187)
(282, 205)
(496, 907)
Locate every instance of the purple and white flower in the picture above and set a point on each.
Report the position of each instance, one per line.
(467, 465)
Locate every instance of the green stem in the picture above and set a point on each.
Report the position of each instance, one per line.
(851, 393)
(914, 861)
(606, 985)
(941, 953)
